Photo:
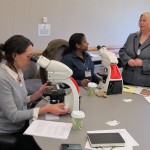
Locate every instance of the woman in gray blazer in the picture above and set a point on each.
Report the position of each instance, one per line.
(135, 55)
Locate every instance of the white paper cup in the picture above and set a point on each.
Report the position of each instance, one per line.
(77, 119)
(91, 88)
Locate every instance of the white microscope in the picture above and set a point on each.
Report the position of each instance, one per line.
(58, 72)
(112, 80)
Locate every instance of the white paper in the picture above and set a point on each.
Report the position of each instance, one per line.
(112, 122)
(94, 55)
(127, 100)
(129, 141)
(138, 90)
(49, 116)
(51, 129)
(143, 91)
(147, 98)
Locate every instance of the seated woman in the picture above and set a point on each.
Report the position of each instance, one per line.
(79, 60)
(135, 55)
(14, 114)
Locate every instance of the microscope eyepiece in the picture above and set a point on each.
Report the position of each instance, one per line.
(34, 58)
(98, 47)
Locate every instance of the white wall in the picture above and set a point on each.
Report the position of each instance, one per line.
(104, 22)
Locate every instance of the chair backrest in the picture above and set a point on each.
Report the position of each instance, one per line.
(54, 51)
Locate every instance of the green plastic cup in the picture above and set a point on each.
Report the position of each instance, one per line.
(91, 88)
(77, 119)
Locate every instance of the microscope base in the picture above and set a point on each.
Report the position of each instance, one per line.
(114, 87)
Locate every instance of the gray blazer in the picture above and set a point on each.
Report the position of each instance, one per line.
(139, 76)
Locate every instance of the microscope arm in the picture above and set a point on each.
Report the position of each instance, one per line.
(60, 73)
(72, 101)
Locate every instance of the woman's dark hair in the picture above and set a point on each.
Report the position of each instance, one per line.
(1, 53)
(15, 44)
(76, 38)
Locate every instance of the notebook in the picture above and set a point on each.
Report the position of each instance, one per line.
(105, 140)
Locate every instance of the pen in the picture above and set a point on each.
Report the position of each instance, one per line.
(126, 87)
(85, 87)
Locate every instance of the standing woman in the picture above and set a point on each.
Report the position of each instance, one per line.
(135, 55)
(13, 94)
(80, 61)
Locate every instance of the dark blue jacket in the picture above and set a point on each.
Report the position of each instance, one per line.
(79, 66)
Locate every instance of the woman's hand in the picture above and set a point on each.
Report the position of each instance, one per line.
(135, 62)
(138, 62)
(56, 109)
(39, 93)
(42, 88)
(85, 82)
(131, 62)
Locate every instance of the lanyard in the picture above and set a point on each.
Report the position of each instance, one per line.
(84, 63)
(139, 49)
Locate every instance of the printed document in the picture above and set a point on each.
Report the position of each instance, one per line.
(129, 89)
(51, 129)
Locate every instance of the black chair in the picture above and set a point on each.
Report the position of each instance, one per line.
(7, 142)
(18, 142)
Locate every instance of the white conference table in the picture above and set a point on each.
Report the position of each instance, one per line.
(133, 116)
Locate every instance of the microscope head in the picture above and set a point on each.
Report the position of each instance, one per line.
(108, 57)
(55, 69)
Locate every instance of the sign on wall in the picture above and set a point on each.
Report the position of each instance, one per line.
(44, 30)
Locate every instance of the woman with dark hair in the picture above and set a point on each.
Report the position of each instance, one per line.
(79, 60)
(13, 94)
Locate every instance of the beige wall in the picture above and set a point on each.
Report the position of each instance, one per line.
(106, 22)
